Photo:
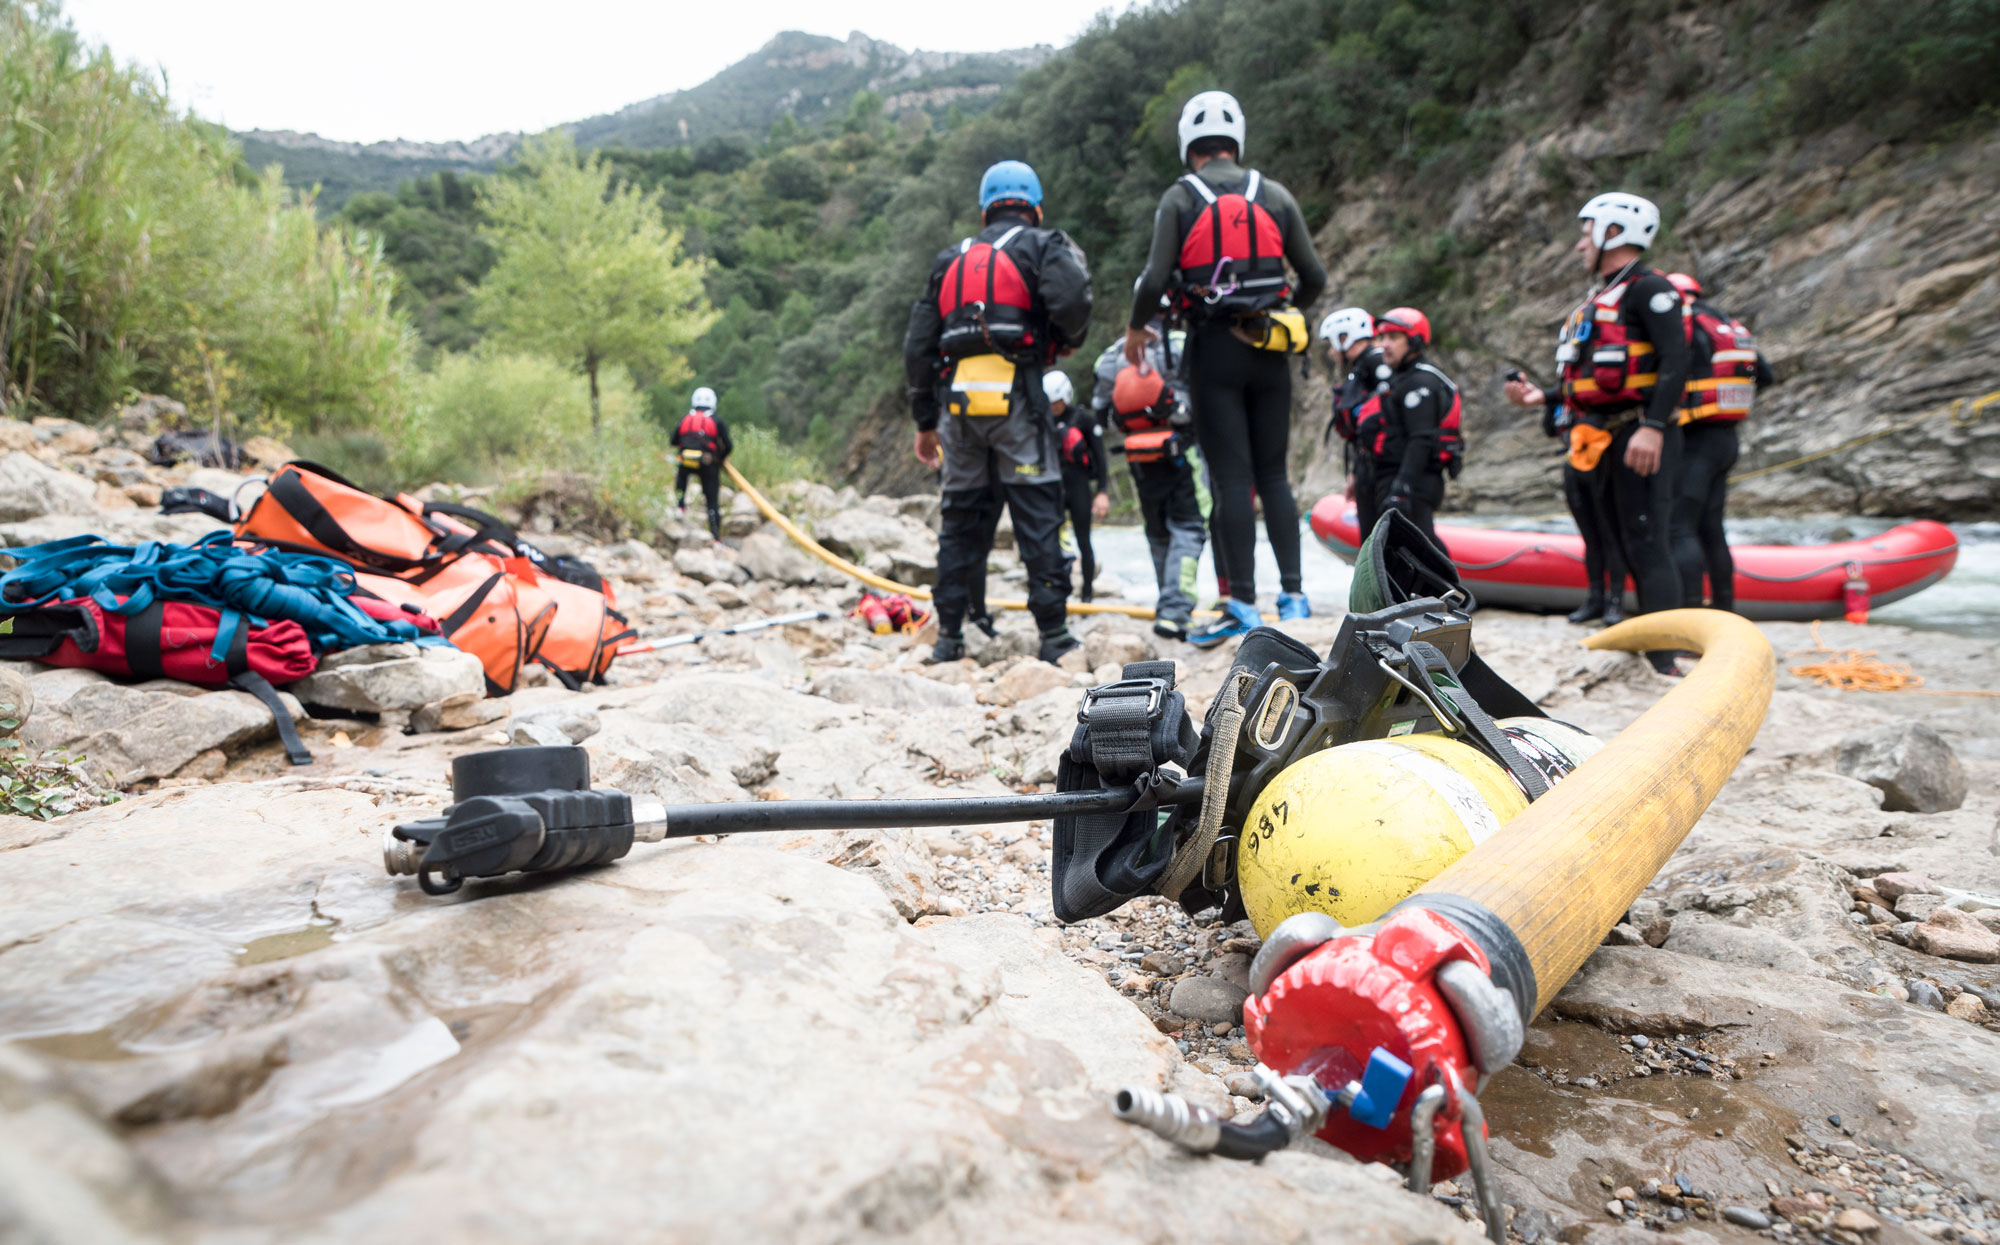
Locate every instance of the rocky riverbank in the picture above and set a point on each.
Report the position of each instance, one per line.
(222, 1021)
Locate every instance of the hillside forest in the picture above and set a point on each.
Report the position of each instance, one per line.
(436, 331)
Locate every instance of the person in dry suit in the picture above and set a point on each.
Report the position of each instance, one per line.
(1086, 481)
(702, 441)
(1222, 236)
(1725, 372)
(1623, 357)
(1409, 441)
(999, 308)
(1167, 471)
(1349, 334)
(1585, 495)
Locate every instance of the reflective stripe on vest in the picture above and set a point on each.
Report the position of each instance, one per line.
(1611, 367)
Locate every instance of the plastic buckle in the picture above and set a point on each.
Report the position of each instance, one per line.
(1155, 689)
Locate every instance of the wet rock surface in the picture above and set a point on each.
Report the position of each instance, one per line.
(219, 1019)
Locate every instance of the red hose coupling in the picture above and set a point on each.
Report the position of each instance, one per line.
(1326, 1014)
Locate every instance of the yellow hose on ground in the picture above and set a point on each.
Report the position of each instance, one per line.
(838, 563)
(1564, 872)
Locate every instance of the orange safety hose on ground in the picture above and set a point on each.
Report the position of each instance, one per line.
(838, 563)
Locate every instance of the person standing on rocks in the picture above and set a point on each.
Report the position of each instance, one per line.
(702, 440)
(1086, 482)
(1584, 474)
(1349, 334)
(1623, 354)
(1167, 471)
(1222, 236)
(1409, 441)
(1000, 307)
(1724, 375)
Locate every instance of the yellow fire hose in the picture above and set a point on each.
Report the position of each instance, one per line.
(838, 563)
(1563, 872)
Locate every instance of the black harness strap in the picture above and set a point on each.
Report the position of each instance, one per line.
(297, 500)
(257, 685)
(142, 641)
(470, 606)
(1436, 667)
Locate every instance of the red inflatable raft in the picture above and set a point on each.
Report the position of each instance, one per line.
(1774, 583)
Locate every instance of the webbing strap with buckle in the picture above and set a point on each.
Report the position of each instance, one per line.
(1428, 661)
(1119, 719)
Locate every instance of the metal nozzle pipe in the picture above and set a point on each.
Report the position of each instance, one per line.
(1169, 1115)
(649, 821)
(400, 856)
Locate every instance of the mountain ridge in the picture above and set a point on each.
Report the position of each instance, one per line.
(796, 74)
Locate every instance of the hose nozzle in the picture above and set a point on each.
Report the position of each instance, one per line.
(1169, 1115)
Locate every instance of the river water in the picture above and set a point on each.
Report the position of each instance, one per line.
(1967, 602)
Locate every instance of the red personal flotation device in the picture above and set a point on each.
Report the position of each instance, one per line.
(1076, 448)
(1233, 253)
(1724, 387)
(1142, 400)
(1612, 366)
(1372, 426)
(698, 438)
(985, 302)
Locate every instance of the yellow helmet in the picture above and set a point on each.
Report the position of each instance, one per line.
(1355, 830)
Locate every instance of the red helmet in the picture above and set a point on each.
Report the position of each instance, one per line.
(1407, 320)
(1688, 286)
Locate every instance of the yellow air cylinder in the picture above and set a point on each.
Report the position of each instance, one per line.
(1354, 830)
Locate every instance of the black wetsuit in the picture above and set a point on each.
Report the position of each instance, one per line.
(709, 473)
(1241, 396)
(1588, 497)
(1642, 506)
(1398, 465)
(1082, 484)
(1709, 450)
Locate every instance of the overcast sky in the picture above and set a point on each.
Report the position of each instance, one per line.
(365, 70)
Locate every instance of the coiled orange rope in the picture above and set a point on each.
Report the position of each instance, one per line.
(1859, 670)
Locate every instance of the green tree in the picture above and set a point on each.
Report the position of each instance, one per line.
(586, 272)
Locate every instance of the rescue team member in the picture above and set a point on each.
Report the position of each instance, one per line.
(1584, 492)
(1167, 471)
(1724, 376)
(703, 442)
(999, 308)
(1350, 338)
(1623, 355)
(1221, 237)
(1086, 481)
(1409, 440)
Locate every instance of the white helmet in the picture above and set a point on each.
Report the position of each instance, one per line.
(1346, 326)
(1057, 386)
(1211, 114)
(703, 400)
(1637, 218)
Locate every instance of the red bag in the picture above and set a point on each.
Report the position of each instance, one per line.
(169, 639)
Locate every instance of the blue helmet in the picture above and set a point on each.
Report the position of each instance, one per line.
(1009, 179)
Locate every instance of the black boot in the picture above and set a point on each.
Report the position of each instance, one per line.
(1591, 610)
(947, 648)
(1056, 643)
(983, 621)
(1614, 611)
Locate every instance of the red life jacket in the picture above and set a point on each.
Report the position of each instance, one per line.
(1723, 387)
(985, 302)
(1612, 367)
(1233, 253)
(1371, 420)
(698, 432)
(1142, 400)
(1076, 447)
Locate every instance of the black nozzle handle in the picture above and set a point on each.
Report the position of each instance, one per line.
(751, 816)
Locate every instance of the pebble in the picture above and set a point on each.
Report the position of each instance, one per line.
(1924, 994)
(1641, 1041)
(1833, 1120)
(1162, 963)
(1625, 1194)
(1856, 1221)
(1744, 1217)
(1615, 1208)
